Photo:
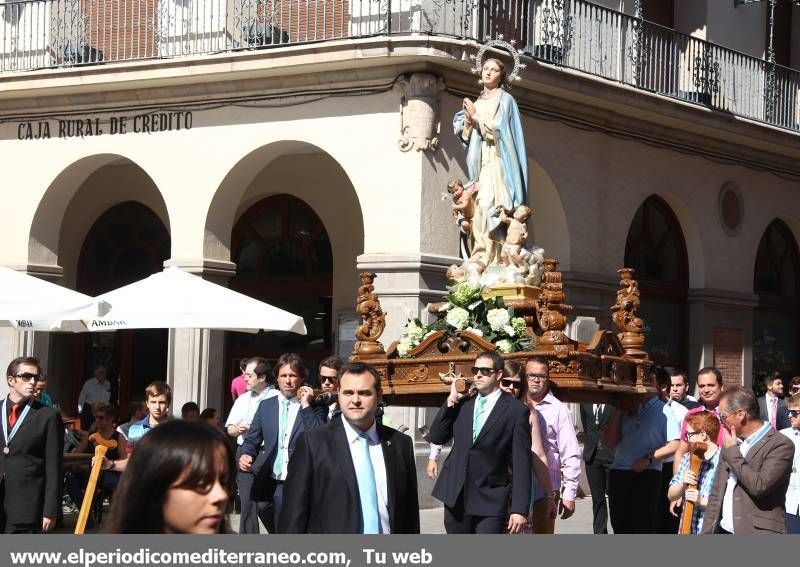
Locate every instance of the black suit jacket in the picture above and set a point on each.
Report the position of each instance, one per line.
(31, 472)
(264, 427)
(321, 491)
(593, 433)
(480, 470)
(781, 419)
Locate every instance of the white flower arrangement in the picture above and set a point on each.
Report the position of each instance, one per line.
(464, 310)
(498, 318)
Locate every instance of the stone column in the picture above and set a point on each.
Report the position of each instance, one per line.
(195, 360)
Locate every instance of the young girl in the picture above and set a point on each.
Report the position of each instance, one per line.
(179, 480)
(701, 427)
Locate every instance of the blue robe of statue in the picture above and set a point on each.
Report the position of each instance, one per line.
(496, 160)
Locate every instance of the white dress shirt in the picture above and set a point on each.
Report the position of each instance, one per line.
(93, 391)
(491, 401)
(245, 407)
(793, 492)
(283, 444)
(726, 521)
(378, 465)
(679, 411)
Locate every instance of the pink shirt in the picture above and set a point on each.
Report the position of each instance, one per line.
(561, 445)
(238, 386)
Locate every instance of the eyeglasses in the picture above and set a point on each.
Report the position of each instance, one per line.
(476, 370)
(690, 434)
(28, 377)
(535, 377)
(724, 416)
(794, 412)
(507, 383)
(323, 379)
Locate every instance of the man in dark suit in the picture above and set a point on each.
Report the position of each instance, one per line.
(598, 459)
(752, 477)
(772, 407)
(491, 434)
(277, 423)
(353, 475)
(30, 454)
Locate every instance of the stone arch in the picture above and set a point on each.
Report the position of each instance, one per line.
(695, 256)
(236, 192)
(550, 228)
(310, 174)
(77, 196)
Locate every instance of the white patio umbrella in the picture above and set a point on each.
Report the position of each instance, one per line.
(174, 299)
(31, 304)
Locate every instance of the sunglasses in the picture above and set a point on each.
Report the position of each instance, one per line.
(505, 382)
(323, 379)
(476, 370)
(794, 412)
(28, 377)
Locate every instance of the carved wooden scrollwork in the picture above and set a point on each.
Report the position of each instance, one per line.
(373, 319)
(624, 314)
(552, 311)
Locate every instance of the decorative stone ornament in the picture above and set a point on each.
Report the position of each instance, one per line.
(731, 208)
(419, 111)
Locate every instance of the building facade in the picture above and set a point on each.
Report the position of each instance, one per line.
(281, 147)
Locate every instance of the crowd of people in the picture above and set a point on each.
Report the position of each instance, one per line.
(306, 461)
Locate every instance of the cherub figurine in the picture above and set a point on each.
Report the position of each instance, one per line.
(463, 202)
(516, 234)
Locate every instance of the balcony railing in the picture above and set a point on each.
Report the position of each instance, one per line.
(37, 34)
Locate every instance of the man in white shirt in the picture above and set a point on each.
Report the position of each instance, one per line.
(95, 389)
(353, 475)
(277, 423)
(793, 492)
(256, 374)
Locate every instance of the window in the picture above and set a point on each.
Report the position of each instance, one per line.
(776, 321)
(656, 250)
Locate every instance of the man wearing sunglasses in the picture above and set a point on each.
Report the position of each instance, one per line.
(30, 456)
(489, 430)
(329, 381)
(793, 492)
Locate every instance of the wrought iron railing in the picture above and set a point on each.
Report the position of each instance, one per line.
(36, 34)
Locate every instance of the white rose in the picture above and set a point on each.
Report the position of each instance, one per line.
(509, 330)
(475, 331)
(415, 332)
(457, 317)
(404, 347)
(504, 345)
(498, 318)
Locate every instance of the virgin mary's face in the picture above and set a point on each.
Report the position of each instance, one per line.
(491, 75)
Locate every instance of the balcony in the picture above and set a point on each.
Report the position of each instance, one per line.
(46, 34)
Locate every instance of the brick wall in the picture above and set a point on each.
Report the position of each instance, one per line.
(728, 352)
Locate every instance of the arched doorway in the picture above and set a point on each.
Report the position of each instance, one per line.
(656, 249)
(776, 320)
(283, 256)
(127, 243)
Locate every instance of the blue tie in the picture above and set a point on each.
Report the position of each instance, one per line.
(477, 420)
(283, 420)
(367, 490)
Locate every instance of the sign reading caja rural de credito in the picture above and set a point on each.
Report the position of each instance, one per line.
(146, 123)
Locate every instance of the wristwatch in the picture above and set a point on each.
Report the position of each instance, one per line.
(113, 466)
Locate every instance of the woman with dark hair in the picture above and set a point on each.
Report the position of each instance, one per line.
(179, 480)
(513, 382)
